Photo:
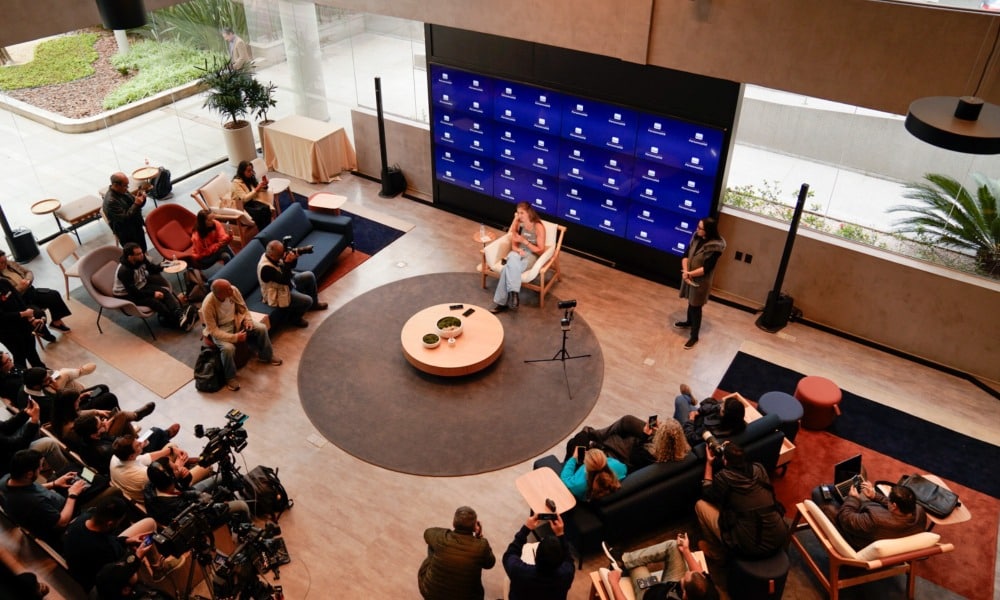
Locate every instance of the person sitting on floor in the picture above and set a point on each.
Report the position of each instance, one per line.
(282, 287)
(210, 241)
(722, 419)
(682, 577)
(870, 515)
(39, 298)
(228, 322)
(142, 282)
(550, 575)
(597, 477)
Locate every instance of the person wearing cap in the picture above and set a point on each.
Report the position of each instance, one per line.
(547, 573)
(456, 557)
(597, 477)
(39, 298)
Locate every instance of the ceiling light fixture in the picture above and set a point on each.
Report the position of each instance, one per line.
(122, 14)
(965, 124)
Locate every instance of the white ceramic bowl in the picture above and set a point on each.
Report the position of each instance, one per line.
(446, 327)
(434, 344)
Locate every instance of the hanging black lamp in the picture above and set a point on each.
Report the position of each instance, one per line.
(122, 14)
(965, 124)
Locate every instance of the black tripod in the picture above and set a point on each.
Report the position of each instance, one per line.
(563, 355)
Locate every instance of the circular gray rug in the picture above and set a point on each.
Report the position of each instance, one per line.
(360, 392)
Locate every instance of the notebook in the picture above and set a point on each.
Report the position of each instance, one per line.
(843, 476)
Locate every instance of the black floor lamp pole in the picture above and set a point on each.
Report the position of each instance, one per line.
(778, 307)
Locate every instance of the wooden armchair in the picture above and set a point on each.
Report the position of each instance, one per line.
(545, 270)
(214, 195)
(878, 560)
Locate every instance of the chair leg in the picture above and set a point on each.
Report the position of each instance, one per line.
(148, 327)
(66, 277)
(99, 320)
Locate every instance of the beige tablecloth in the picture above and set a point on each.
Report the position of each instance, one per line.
(308, 149)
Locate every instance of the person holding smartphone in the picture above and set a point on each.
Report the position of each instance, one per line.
(550, 574)
(456, 557)
(682, 577)
(252, 195)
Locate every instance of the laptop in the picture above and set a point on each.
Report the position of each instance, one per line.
(843, 476)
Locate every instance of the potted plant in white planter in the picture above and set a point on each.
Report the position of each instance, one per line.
(260, 98)
(229, 88)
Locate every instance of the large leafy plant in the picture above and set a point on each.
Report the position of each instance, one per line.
(952, 216)
(198, 23)
(229, 90)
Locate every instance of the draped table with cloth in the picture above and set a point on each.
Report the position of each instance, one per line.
(309, 149)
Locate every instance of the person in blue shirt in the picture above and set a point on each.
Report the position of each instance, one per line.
(597, 477)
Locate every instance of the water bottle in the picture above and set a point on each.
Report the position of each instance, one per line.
(482, 232)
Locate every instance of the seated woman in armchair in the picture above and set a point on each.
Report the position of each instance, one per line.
(251, 195)
(527, 243)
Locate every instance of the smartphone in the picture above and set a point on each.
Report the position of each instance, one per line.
(456, 306)
(147, 540)
(652, 421)
(547, 516)
(550, 504)
(468, 312)
(827, 494)
(580, 451)
(145, 435)
(87, 474)
(645, 582)
(857, 482)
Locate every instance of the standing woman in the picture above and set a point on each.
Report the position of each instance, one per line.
(251, 195)
(697, 270)
(527, 242)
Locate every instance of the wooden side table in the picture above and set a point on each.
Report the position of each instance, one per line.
(327, 201)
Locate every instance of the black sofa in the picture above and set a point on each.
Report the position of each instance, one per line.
(328, 234)
(660, 493)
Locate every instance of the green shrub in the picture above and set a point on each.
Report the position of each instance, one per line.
(56, 61)
(159, 66)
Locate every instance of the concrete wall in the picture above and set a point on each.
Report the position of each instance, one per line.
(943, 316)
(408, 145)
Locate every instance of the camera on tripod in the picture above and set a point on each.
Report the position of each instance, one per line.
(222, 441)
(260, 551)
(192, 528)
(287, 240)
(713, 442)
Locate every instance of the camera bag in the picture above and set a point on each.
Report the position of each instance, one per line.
(267, 497)
(934, 498)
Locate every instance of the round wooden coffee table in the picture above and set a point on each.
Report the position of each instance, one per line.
(479, 346)
(327, 201)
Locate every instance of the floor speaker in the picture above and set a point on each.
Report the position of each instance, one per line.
(22, 244)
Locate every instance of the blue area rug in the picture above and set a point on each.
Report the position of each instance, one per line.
(369, 236)
(936, 449)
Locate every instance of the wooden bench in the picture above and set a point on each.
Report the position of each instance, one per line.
(78, 213)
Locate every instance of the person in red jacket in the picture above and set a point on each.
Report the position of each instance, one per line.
(211, 241)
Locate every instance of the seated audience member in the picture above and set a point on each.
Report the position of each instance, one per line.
(210, 241)
(97, 538)
(738, 512)
(722, 419)
(66, 378)
(527, 243)
(684, 404)
(228, 322)
(11, 378)
(68, 410)
(253, 195)
(164, 497)
(16, 583)
(39, 507)
(669, 443)
(682, 577)
(282, 287)
(18, 324)
(124, 212)
(550, 575)
(130, 460)
(455, 559)
(633, 442)
(38, 298)
(95, 444)
(41, 385)
(597, 477)
(20, 432)
(120, 580)
(142, 282)
(869, 515)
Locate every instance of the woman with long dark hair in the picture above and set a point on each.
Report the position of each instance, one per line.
(697, 271)
(252, 195)
(527, 242)
(210, 241)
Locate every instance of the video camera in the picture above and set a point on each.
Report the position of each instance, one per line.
(287, 240)
(192, 528)
(260, 551)
(717, 447)
(223, 440)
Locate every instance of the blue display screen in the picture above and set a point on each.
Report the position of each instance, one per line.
(643, 177)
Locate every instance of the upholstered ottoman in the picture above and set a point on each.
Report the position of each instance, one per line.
(759, 579)
(788, 409)
(820, 400)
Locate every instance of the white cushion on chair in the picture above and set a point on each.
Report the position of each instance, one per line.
(216, 191)
(883, 548)
(498, 249)
(830, 531)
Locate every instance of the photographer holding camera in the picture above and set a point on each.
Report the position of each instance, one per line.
(282, 287)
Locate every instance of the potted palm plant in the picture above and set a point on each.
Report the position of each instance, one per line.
(260, 98)
(229, 90)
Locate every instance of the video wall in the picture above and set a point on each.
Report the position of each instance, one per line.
(640, 176)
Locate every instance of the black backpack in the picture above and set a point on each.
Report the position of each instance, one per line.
(162, 186)
(209, 375)
(265, 494)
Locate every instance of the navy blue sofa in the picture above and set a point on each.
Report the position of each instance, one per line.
(328, 234)
(658, 494)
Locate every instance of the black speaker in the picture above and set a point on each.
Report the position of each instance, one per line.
(395, 182)
(22, 244)
(122, 14)
(776, 313)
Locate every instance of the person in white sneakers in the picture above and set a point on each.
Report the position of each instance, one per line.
(682, 578)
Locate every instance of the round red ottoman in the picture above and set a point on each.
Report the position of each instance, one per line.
(820, 398)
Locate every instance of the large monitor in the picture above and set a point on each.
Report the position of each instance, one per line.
(643, 177)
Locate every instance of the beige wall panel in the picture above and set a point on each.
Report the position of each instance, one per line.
(619, 29)
(873, 54)
(899, 303)
(407, 145)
